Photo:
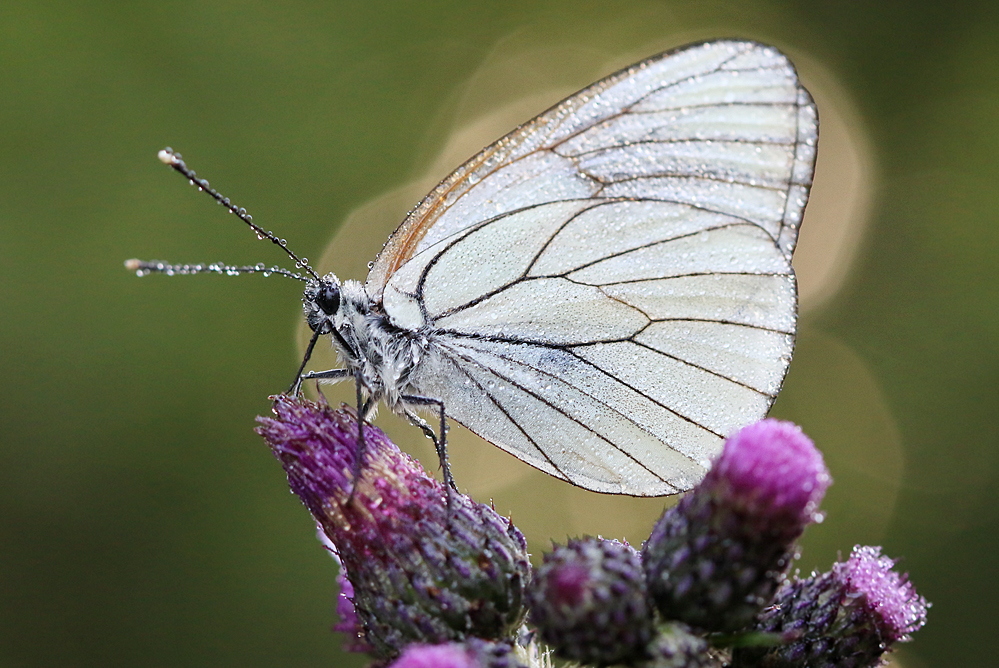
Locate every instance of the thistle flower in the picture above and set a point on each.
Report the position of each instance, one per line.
(588, 601)
(716, 558)
(435, 580)
(450, 655)
(847, 617)
(422, 570)
(473, 653)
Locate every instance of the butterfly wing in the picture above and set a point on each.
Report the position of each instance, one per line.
(609, 286)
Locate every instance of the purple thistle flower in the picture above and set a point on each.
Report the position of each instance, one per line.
(717, 557)
(847, 617)
(450, 655)
(420, 572)
(588, 601)
(473, 653)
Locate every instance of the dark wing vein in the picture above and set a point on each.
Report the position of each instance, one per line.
(725, 322)
(677, 140)
(693, 273)
(559, 410)
(685, 175)
(712, 105)
(704, 369)
(624, 111)
(569, 349)
(524, 275)
(507, 415)
(652, 244)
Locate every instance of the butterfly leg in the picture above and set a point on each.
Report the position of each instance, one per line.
(363, 408)
(296, 385)
(440, 444)
(332, 374)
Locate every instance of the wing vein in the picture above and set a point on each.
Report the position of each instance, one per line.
(627, 109)
(692, 177)
(723, 321)
(693, 273)
(652, 244)
(557, 409)
(680, 140)
(712, 105)
(569, 349)
(704, 369)
(507, 415)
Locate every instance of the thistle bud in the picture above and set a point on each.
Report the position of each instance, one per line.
(716, 558)
(848, 616)
(677, 647)
(423, 568)
(588, 601)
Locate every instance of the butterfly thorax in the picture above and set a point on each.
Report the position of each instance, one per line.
(383, 357)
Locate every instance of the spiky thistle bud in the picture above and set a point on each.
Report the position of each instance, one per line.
(675, 646)
(844, 618)
(423, 570)
(588, 601)
(717, 557)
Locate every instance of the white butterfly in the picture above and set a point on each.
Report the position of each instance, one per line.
(607, 291)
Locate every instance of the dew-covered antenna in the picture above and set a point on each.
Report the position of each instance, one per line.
(144, 267)
(168, 157)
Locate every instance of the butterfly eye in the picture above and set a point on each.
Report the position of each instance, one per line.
(328, 299)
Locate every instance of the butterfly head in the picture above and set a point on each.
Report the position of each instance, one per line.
(321, 302)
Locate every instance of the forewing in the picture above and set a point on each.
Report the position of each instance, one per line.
(608, 289)
(722, 125)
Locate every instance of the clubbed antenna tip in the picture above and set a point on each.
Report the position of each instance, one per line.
(169, 157)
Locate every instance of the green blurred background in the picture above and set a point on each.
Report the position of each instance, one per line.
(143, 523)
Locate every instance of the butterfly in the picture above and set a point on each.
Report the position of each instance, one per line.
(606, 292)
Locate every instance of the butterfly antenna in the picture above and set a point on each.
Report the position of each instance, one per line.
(143, 268)
(169, 157)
